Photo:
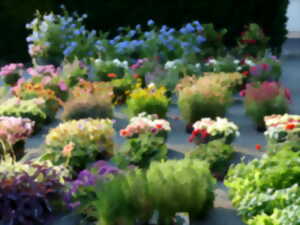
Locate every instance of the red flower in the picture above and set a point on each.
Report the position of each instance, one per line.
(243, 93)
(288, 94)
(112, 75)
(245, 73)
(290, 126)
(204, 134)
(257, 147)
(249, 41)
(158, 126)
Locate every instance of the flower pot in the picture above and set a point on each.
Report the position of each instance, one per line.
(11, 79)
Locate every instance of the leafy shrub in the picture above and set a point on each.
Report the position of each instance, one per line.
(204, 98)
(150, 100)
(122, 88)
(34, 109)
(74, 71)
(30, 192)
(214, 41)
(78, 143)
(87, 106)
(216, 153)
(253, 41)
(168, 187)
(264, 186)
(141, 151)
(265, 99)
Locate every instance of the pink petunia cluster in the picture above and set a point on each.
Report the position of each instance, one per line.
(12, 68)
(145, 123)
(138, 64)
(47, 70)
(14, 129)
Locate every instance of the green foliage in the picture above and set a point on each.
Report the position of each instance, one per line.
(265, 186)
(168, 187)
(214, 44)
(141, 151)
(87, 106)
(216, 153)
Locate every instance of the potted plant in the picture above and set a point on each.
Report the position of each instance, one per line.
(203, 98)
(78, 143)
(14, 132)
(151, 100)
(263, 99)
(11, 73)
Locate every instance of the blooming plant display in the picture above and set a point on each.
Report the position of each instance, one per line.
(29, 90)
(144, 191)
(14, 130)
(55, 37)
(151, 100)
(74, 71)
(109, 69)
(78, 143)
(265, 99)
(253, 41)
(82, 190)
(33, 109)
(144, 123)
(123, 87)
(31, 192)
(11, 73)
(264, 190)
(204, 98)
(207, 130)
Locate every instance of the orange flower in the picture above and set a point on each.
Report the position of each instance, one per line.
(123, 133)
(290, 126)
(158, 126)
(136, 76)
(257, 147)
(112, 75)
(68, 149)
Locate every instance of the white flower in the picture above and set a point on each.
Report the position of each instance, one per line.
(249, 62)
(212, 61)
(239, 68)
(236, 61)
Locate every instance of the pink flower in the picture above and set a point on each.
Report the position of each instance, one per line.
(63, 86)
(288, 94)
(46, 80)
(67, 151)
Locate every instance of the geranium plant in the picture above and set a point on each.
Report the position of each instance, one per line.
(11, 73)
(151, 100)
(145, 142)
(14, 132)
(78, 143)
(207, 130)
(265, 99)
(31, 192)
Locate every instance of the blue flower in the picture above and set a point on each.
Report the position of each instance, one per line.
(189, 28)
(137, 27)
(201, 39)
(150, 22)
(131, 33)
